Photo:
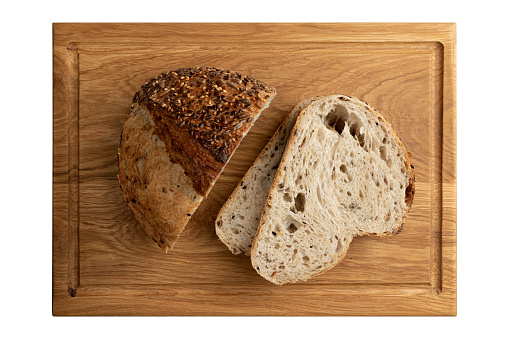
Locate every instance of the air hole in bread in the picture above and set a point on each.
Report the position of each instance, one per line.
(362, 141)
(337, 118)
(342, 168)
(389, 162)
(292, 228)
(298, 180)
(354, 130)
(219, 224)
(305, 259)
(300, 202)
(350, 177)
(383, 153)
(287, 197)
(276, 246)
(340, 125)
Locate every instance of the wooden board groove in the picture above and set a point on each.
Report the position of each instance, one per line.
(104, 264)
(73, 167)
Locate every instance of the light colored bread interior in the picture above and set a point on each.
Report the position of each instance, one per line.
(238, 219)
(345, 173)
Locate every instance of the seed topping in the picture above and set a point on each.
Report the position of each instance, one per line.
(212, 104)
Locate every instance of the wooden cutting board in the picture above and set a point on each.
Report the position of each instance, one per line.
(104, 264)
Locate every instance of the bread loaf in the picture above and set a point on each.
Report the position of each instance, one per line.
(238, 219)
(344, 174)
(183, 128)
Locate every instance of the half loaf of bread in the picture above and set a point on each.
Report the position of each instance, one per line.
(183, 128)
(344, 174)
(238, 219)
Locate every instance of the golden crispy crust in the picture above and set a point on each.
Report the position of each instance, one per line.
(157, 190)
(183, 127)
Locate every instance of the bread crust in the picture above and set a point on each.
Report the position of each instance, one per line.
(410, 193)
(202, 114)
(155, 189)
(183, 128)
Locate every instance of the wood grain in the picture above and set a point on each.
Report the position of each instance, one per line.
(104, 264)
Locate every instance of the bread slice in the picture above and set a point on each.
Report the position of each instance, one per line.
(238, 219)
(183, 128)
(344, 174)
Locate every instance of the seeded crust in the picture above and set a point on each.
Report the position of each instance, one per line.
(238, 219)
(183, 128)
(202, 114)
(345, 173)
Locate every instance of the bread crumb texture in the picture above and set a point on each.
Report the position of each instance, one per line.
(238, 219)
(345, 173)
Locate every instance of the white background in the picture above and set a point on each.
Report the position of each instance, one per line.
(26, 168)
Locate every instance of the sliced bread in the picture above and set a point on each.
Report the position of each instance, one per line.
(238, 219)
(344, 174)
